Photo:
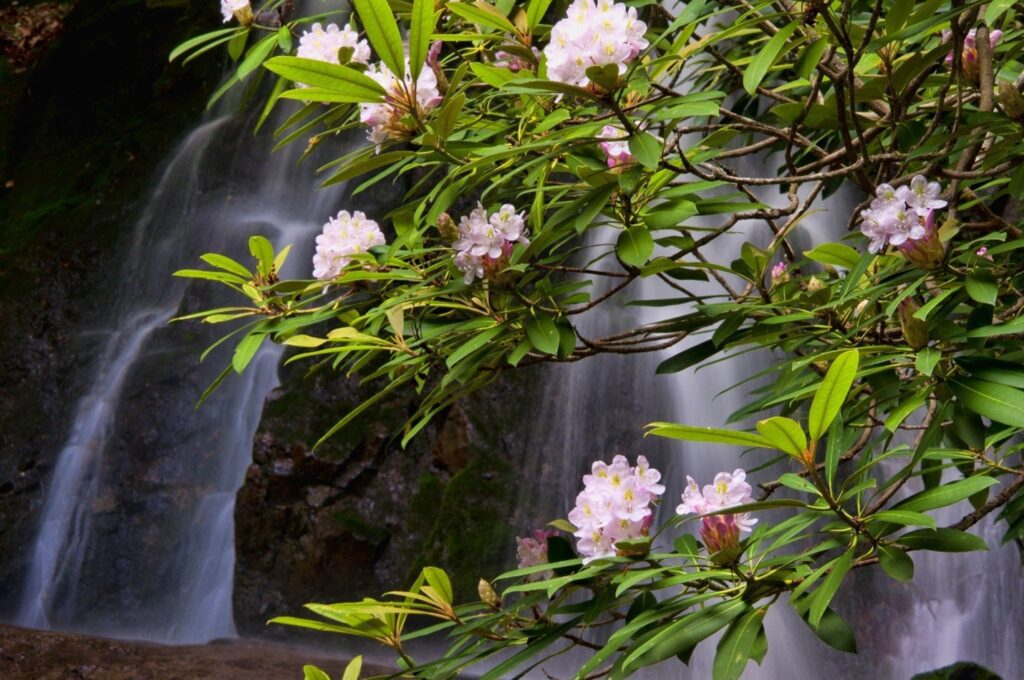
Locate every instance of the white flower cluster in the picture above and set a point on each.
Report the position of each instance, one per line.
(229, 7)
(485, 241)
(593, 33)
(615, 505)
(343, 236)
(323, 44)
(900, 214)
(385, 118)
(615, 148)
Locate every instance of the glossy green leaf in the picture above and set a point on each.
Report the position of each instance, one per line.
(896, 563)
(543, 333)
(646, 148)
(835, 632)
(947, 494)
(707, 434)
(352, 84)
(835, 254)
(785, 433)
(1001, 403)
(314, 673)
(246, 350)
(382, 30)
(982, 287)
(831, 394)
(634, 246)
(821, 597)
(943, 540)
(736, 646)
(353, 669)
(421, 26)
(758, 67)
(683, 635)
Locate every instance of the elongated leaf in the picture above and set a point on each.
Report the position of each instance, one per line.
(246, 350)
(829, 586)
(256, 55)
(688, 357)
(483, 14)
(829, 398)
(420, 28)
(835, 632)
(330, 77)
(835, 254)
(758, 68)
(199, 40)
(947, 494)
(382, 30)
(906, 518)
(683, 635)
(1001, 403)
(472, 345)
(785, 433)
(353, 669)
(707, 434)
(943, 540)
(982, 287)
(535, 12)
(735, 647)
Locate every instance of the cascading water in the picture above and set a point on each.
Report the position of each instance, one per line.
(136, 536)
(958, 607)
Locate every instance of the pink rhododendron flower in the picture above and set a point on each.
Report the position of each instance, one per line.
(899, 214)
(344, 236)
(719, 532)
(969, 56)
(387, 119)
(616, 148)
(229, 8)
(593, 33)
(323, 44)
(533, 551)
(485, 242)
(615, 505)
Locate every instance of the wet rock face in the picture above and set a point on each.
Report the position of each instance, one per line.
(88, 109)
(360, 515)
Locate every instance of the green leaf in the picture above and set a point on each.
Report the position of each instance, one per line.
(1001, 403)
(688, 357)
(237, 44)
(382, 31)
(835, 254)
(1009, 328)
(996, 9)
(246, 350)
(947, 494)
(543, 333)
(199, 40)
(829, 398)
(829, 586)
(256, 55)
(438, 580)
(905, 518)
(735, 647)
(359, 88)
(420, 28)
(635, 246)
(682, 635)
(835, 632)
(982, 287)
(905, 408)
(483, 14)
(758, 68)
(646, 148)
(472, 345)
(227, 264)
(314, 673)
(810, 57)
(707, 434)
(993, 370)
(263, 251)
(926, 360)
(352, 670)
(943, 540)
(896, 563)
(785, 433)
(898, 14)
(535, 12)
(448, 116)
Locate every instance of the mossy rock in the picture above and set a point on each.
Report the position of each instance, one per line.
(961, 670)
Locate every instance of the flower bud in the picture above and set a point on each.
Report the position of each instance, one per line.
(446, 225)
(927, 252)
(780, 274)
(814, 284)
(721, 536)
(915, 331)
(487, 595)
(244, 15)
(1011, 100)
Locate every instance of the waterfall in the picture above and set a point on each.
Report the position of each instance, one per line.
(136, 533)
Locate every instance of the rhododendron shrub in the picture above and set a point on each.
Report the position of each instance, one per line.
(837, 186)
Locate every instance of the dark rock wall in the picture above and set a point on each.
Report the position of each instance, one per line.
(85, 120)
(361, 515)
